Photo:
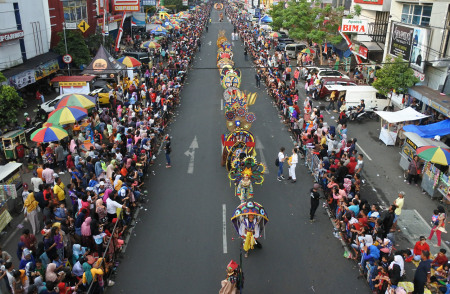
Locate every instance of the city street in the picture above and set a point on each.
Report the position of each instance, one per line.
(180, 243)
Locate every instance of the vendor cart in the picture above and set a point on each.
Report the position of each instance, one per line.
(8, 142)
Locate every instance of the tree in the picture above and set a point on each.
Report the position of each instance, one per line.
(10, 103)
(396, 76)
(93, 43)
(312, 22)
(174, 4)
(76, 47)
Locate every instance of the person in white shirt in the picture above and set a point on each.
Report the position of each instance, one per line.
(112, 205)
(292, 164)
(36, 181)
(281, 159)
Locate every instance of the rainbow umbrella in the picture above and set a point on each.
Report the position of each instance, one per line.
(434, 154)
(129, 61)
(49, 134)
(308, 51)
(274, 35)
(150, 44)
(167, 25)
(80, 100)
(159, 30)
(66, 115)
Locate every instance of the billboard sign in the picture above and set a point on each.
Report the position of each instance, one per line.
(410, 43)
(126, 5)
(359, 26)
(372, 2)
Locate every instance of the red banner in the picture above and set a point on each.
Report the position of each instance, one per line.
(373, 2)
(119, 34)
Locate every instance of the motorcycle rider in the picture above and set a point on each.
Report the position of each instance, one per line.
(360, 109)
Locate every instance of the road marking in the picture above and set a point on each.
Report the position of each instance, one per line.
(362, 150)
(209, 43)
(260, 147)
(191, 152)
(221, 104)
(13, 234)
(224, 228)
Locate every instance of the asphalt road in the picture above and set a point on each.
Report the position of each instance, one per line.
(178, 245)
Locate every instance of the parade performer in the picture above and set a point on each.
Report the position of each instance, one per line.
(249, 220)
(245, 189)
(234, 281)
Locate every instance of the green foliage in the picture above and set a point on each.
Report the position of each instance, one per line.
(10, 102)
(93, 43)
(174, 4)
(310, 22)
(76, 47)
(396, 75)
(357, 9)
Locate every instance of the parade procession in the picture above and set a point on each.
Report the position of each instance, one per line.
(230, 146)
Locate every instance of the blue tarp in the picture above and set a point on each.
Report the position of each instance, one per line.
(266, 18)
(441, 128)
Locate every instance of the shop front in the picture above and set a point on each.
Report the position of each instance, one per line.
(431, 98)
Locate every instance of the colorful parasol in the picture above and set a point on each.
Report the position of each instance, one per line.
(79, 100)
(159, 30)
(67, 115)
(308, 51)
(274, 35)
(434, 154)
(150, 44)
(129, 61)
(49, 134)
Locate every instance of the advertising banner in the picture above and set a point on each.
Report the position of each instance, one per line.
(126, 5)
(410, 43)
(401, 41)
(373, 2)
(419, 48)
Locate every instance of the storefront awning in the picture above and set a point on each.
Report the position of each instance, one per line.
(372, 46)
(407, 114)
(432, 98)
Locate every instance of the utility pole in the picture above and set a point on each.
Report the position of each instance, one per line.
(65, 45)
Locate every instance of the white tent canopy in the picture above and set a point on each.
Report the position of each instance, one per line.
(406, 114)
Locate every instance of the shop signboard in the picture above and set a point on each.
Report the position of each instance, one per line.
(372, 2)
(359, 26)
(4, 37)
(420, 40)
(126, 5)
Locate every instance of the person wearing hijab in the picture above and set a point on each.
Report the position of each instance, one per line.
(110, 169)
(86, 232)
(98, 168)
(117, 182)
(100, 209)
(396, 269)
(77, 269)
(77, 252)
(69, 163)
(50, 274)
(87, 275)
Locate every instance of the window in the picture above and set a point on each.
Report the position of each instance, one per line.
(74, 11)
(416, 14)
(378, 30)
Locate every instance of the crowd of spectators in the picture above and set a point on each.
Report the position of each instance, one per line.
(78, 227)
(367, 229)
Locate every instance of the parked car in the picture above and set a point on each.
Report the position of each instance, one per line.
(292, 50)
(102, 95)
(326, 72)
(324, 92)
(285, 40)
(49, 106)
(281, 46)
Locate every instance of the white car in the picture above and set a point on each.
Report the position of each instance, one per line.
(50, 105)
(323, 72)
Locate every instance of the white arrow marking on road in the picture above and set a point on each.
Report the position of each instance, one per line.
(209, 43)
(232, 43)
(191, 152)
(221, 104)
(260, 147)
(224, 228)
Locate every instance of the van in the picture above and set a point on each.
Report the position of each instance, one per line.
(354, 94)
(141, 56)
(325, 93)
(292, 50)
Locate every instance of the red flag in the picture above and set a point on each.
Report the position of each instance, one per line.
(325, 50)
(119, 34)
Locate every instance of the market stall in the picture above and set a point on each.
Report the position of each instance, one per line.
(10, 186)
(389, 121)
(8, 142)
